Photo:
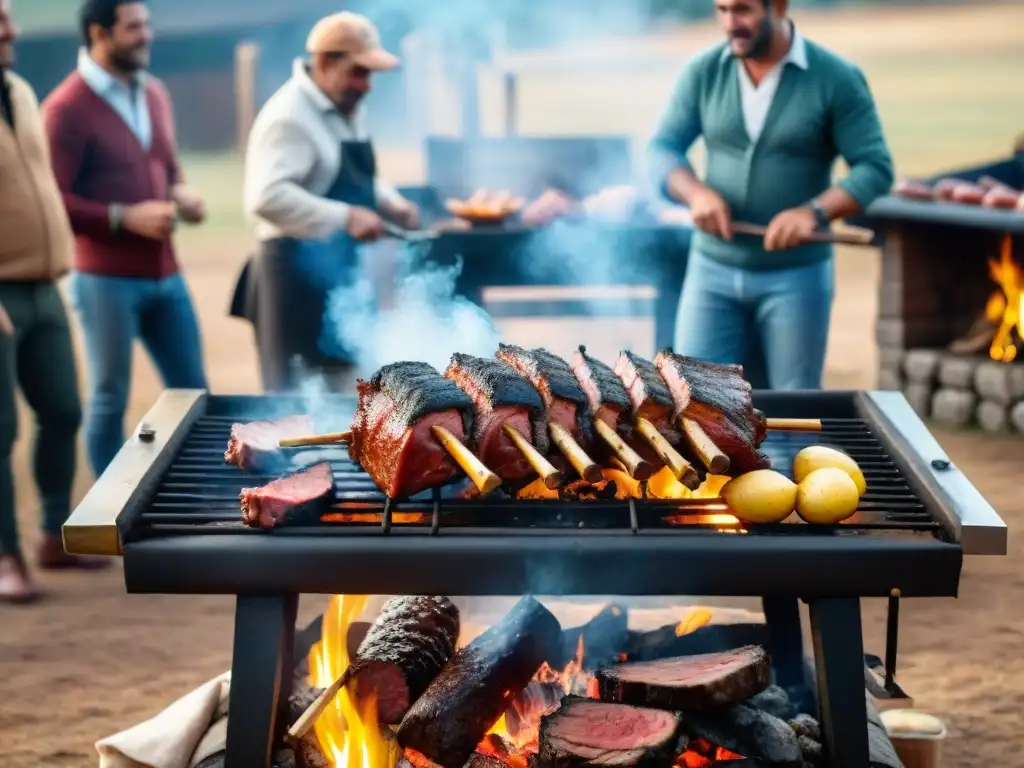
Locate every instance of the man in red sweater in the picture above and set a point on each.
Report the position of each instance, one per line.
(111, 133)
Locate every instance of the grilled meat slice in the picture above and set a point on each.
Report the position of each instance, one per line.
(301, 497)
(583, 732)
(501, 396)
(405, 648)
(719, 399)
(563, 398)
(707, 681)
(607, 398)
(475, 688)
(253, 446)
(391, 429)
(647, 392)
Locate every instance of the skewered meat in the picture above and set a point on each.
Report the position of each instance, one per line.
(552, 204)
(501, 396)
(563, 399)
(405, 648)
(475, 688)
(647, 392)
(970, 194)
(391, 429)
(607, 398)
(707, 681)
(719, 399)
(583, 732)
(253, 446)
(300, 497)
(914, 190)
(944, 188)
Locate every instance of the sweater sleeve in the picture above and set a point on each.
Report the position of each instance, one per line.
(68, 142)
(678, 128)
(857, 133)
(174, 174)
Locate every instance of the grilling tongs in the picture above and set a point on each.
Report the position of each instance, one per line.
(409, 235)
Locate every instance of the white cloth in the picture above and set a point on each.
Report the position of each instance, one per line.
(181, 736)
(292, 157)
(757, 99)
(127, 100)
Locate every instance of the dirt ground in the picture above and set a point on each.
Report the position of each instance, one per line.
(91, 660)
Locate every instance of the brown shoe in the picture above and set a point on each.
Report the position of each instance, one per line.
(15, 584)
(52, 557)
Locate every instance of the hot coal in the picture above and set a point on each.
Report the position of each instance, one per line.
(663, 643)
(391, 429)
(477, 686)
(296, 499)
(719, 399)
(584, 732)
(750, 732)
(501, 396)
(403, 651)
(648, 394)
(607, 398)
(805, 725)
(708, 681)
(775, 701)
(563, 398)
(253, 446)
(811, 750)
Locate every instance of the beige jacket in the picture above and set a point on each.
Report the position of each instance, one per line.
(36, 241)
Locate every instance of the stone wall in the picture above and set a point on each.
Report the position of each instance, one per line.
(964, 391)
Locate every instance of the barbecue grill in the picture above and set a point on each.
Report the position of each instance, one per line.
(168, 504)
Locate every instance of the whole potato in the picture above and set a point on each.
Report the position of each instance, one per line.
(761, 496)
(826, 496)
(818, 456)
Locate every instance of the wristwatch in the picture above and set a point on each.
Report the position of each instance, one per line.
(115, 216)
(821, 215)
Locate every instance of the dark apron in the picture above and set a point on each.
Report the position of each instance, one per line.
(284, 290)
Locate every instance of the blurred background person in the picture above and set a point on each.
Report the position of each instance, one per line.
(111, 133)
(311, 185)
(36, 353)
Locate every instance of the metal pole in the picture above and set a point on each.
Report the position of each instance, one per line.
(511, 103)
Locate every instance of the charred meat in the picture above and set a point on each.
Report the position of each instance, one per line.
(607, 398)
(403, 651)
(584, 732)
(391, 429)
(563, 398)
(501, 397)
(301, 497)
(648, 394)
(719, 399)
(253, 446)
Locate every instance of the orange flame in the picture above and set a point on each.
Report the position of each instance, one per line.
(697, 618)
(1006, 305)
(349, 736)
(661, 485)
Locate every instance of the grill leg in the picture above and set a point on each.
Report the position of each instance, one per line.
(261, 678)
(782, 614)
(839, 658)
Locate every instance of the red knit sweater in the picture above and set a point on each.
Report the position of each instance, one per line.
(98, 161)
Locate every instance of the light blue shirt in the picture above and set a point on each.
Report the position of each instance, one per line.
(128, 101)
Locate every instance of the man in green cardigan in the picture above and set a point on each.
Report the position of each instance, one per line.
(775, 112)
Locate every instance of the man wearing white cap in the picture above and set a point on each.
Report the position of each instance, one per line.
(311, 185)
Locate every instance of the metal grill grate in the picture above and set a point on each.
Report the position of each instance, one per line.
(199, 492)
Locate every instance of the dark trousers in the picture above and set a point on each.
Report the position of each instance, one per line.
(38, 358)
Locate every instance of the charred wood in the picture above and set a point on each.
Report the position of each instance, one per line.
(604, 637)
(663, 643)
(748, 731)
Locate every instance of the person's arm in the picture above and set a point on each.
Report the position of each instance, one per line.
(279, 158)
(860, 141)
(676, 131)
(68, 142)
(387, 196)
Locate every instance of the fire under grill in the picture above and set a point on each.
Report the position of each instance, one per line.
(169, 505)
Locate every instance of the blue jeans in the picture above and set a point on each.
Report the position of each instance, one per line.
(114, 311)
(726, 314)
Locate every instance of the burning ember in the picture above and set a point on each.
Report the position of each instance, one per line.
(1005, 306)
(702, 752)
(619, 485)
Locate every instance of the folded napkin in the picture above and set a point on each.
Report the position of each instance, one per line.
(181, 736)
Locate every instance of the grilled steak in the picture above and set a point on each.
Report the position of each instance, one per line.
(719, 399)
(501, 396)
(404, 649)
(253, 446)
(648, 394)
(711, 680)
(391, 436)
(475, 688)
(607, 398)
(563, 399)
(298, 498)
(583, 732)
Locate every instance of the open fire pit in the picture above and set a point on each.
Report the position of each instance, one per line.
(168, 504)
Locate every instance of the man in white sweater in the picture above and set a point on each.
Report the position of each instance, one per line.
(311, 186)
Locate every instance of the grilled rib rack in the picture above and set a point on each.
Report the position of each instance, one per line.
(169, 505)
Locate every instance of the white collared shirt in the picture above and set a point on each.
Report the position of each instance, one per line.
(128, 101)
(292, 158)
(757, 99)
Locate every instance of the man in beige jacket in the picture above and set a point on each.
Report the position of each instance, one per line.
(35, 341)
